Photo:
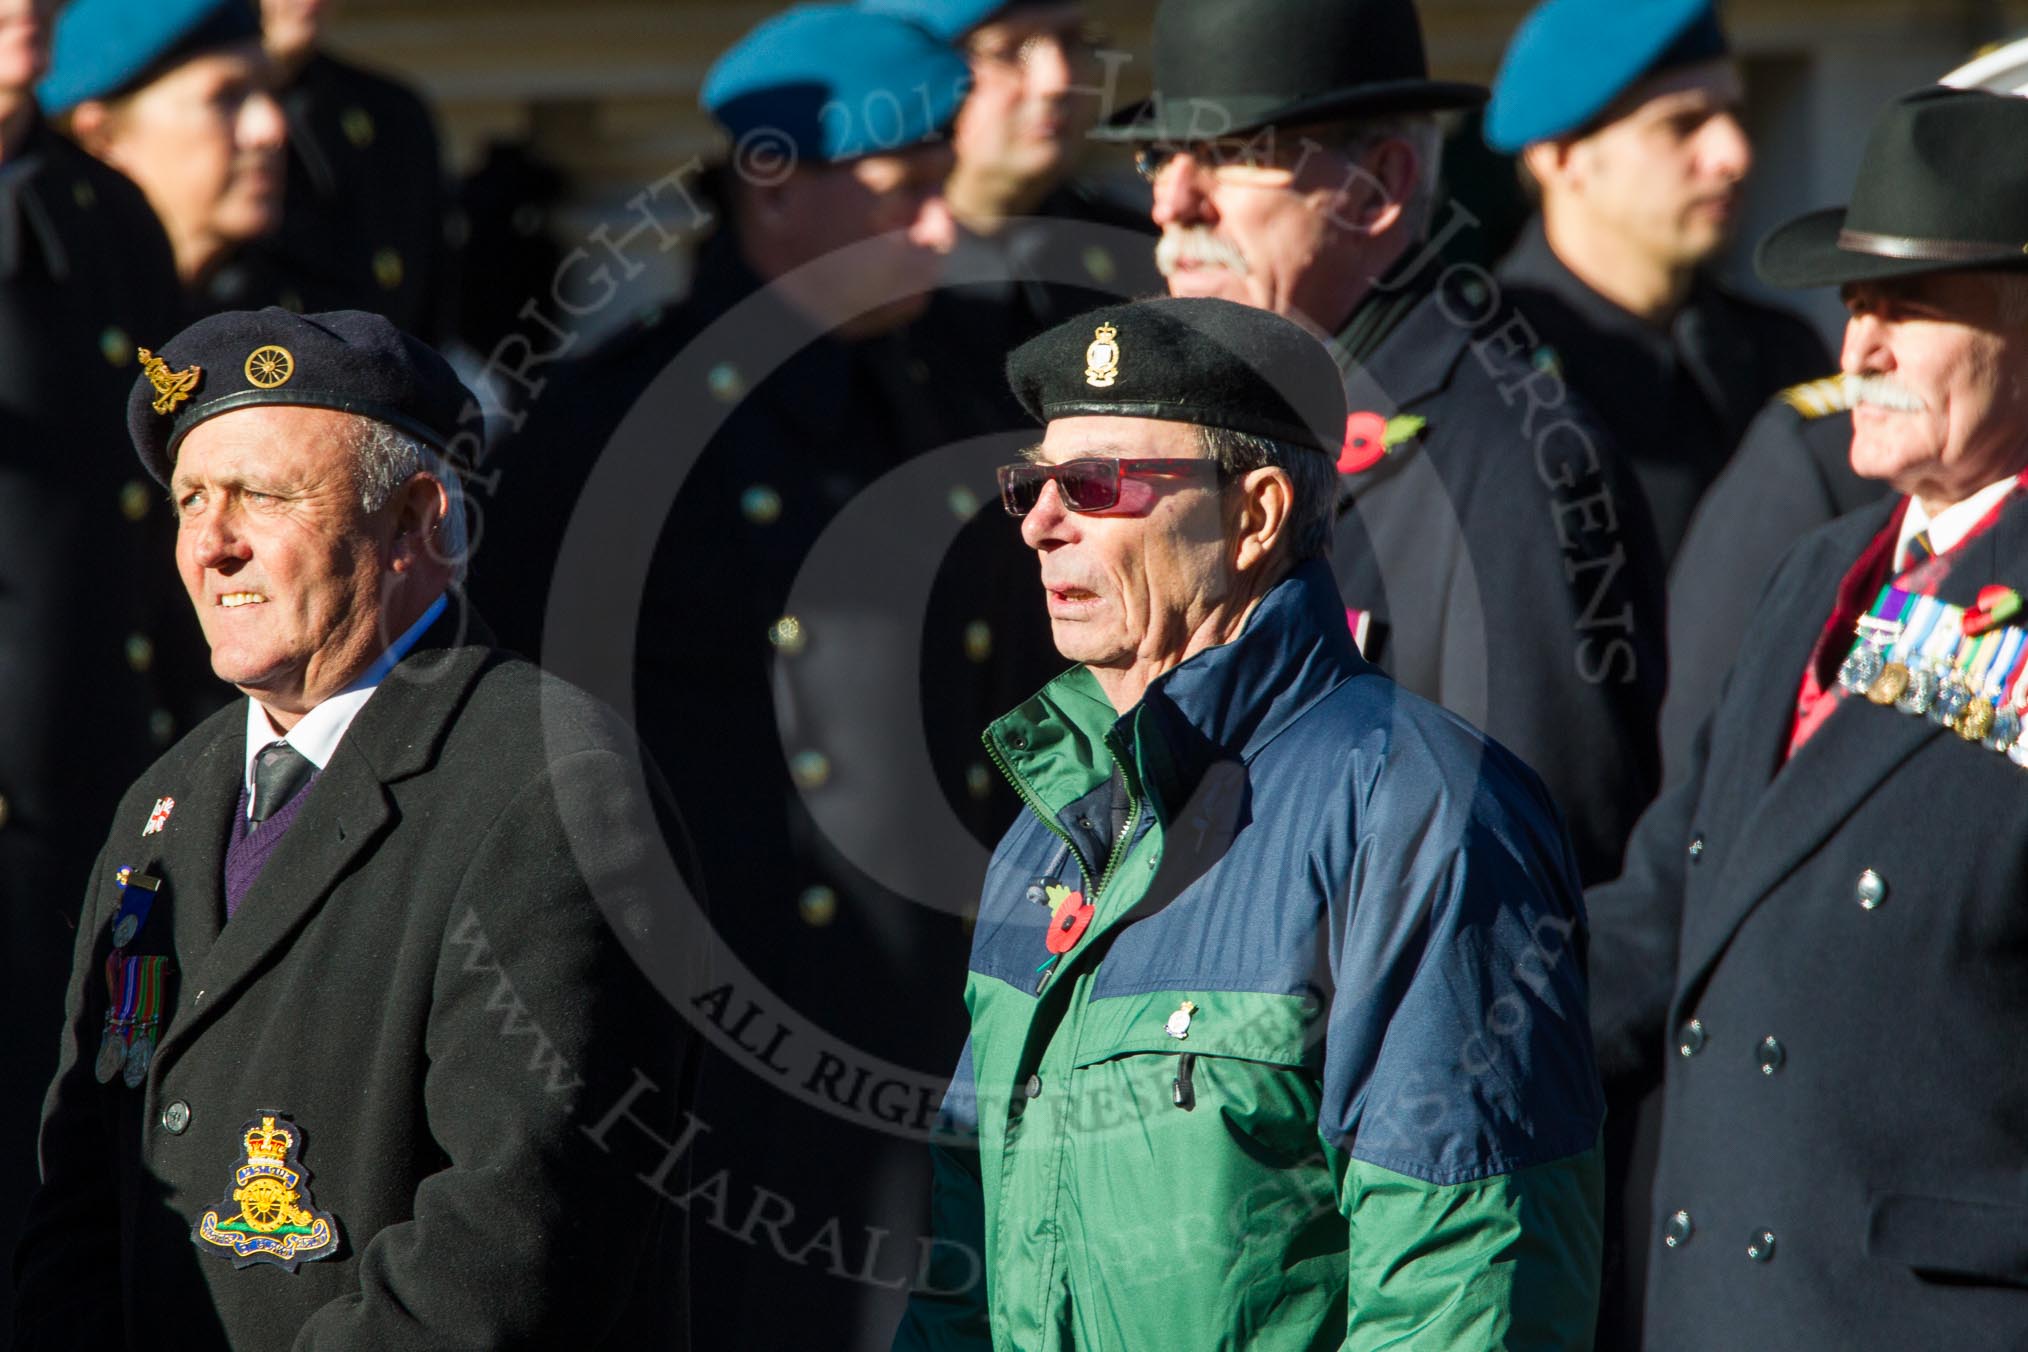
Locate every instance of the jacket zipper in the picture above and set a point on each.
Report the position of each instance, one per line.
(1048, 819)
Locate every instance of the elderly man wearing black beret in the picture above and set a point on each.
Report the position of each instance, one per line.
(1821, 935)
(1494, 551)
(346, 1023)
(1278, 1017)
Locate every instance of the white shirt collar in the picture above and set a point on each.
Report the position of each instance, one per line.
(1949, 526)
(317, 733)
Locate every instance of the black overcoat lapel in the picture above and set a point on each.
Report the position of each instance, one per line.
(347, 812)
(1795, 809)
(193, 868)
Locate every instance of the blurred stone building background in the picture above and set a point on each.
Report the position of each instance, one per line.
(604, 91)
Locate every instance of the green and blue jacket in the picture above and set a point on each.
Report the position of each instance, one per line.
(1312, 1069)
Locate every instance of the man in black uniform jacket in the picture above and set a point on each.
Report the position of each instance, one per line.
(355, 1052)
(85, 274)
(791, 628)
(1820, 932)
(1034, 236)
(1626, 120)
(1791, 474)
(363, 209)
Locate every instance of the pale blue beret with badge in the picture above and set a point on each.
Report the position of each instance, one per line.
(104, 48)
(825, 83)
(1570, 59)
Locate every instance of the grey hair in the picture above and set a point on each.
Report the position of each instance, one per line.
(385, 458)
(1425, 136)
(1314, 474)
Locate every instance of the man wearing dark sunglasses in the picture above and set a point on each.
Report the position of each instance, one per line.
(1496, 555)
(1274, 943)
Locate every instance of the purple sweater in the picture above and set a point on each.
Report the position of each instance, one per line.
(253, 842)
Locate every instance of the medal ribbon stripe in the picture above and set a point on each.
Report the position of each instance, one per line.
(2007, 657)
(2017, 698)
(149, 1012)
(128, 993)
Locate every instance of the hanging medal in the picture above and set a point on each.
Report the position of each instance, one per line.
(121, 997)
(2007, 720)
(134, 986)
(147, 1019)
(1877, 629)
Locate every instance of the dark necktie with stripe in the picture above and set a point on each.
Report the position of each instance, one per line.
(280, 772)
(1918, 552)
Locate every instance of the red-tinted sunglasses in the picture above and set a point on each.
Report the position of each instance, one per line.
(1086, 485)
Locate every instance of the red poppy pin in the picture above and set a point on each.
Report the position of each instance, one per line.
(1069, 916)
(1369, 437)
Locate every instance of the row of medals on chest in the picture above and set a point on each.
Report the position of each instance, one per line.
(1966, 675)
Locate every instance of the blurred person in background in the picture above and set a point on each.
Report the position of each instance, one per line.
(363, 213)
(1626, 119)
(100, 665)
(1034, 234)
(176, 97)
(800, 346)
(1494, 552)
(1627, 122)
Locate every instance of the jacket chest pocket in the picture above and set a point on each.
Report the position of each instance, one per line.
(1241, 1065)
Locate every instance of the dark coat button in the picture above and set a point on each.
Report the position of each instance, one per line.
(176, 1118)
(1771, 1056)
(1678, 1231)
(1034, 1087)
(1690, 1040)
(1696, 848)
(1872, 889)
(1761, 1248)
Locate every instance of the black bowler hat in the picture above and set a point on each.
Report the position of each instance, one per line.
(1228, 67)
(1215, 363)
(348, 360)
(1943, 187)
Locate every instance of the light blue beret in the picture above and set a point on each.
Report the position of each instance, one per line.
(1571, 58)
(103, 48)
(834, 82)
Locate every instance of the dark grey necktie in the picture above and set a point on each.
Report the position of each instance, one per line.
(280, 772)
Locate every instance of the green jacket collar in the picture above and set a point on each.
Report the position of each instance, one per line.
(1225, 703)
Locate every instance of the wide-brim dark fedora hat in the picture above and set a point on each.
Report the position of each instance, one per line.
(1229, 67)
(1943, 187)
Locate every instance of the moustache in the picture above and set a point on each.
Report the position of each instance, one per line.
(1882, 392)
(1196, 246)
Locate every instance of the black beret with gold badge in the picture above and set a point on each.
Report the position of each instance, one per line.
(1214, 363)
(348, 360)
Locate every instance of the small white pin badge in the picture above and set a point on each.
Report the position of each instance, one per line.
(1178, 1026)
(158, 817)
